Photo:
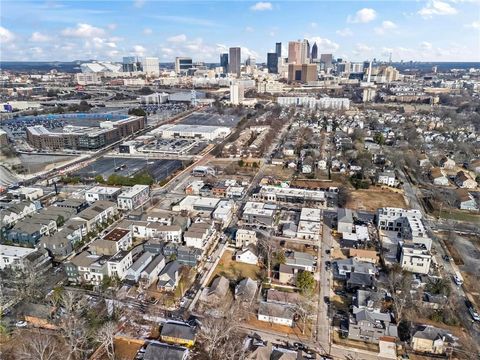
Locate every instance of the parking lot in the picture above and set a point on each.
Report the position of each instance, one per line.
(106, 166)
(204, 118)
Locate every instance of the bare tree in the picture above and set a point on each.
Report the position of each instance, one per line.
(305, 308)
(267, 248)
(38, 346)
(221, 336)
(73, 326)
(399, 285)
(106, 336)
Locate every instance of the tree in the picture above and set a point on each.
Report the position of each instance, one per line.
(99, 179)
(399, 285)
(267, 248)
(106, 336)
(343, 196)
(137, 112)
(379, 138)
(281, 257)
(145, 90)
(38, 346)
(72, 324)
(305, 308)
(305, 282)
(221, 337)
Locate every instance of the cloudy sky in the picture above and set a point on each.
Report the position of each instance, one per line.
(431, 30)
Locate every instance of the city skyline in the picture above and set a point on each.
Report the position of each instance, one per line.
(353, 30)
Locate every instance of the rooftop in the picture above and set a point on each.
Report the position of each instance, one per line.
(116, 234)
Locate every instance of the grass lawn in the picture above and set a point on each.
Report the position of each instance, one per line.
(459, 215)
(233, 270)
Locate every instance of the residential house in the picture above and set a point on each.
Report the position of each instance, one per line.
(387, 178)
(188, 256)
(169, 277)
(96, 215)
(287, 274)
(248, 255)
(289, 229)
(170, 233)
(245, 290)
(224, 212)
(198, 234)
(118, 264)
(432, 340)
(151, 272)
(370, 325)
(134, 272)
(160, 351)
(17, 211)
(276, 313)
(464, 182)
(245, 237)
(465, 200)
(357, 281)
(76, 205)
(344, 220)
(218, 290)
(300, 260)
(415, 258)
(16, 257)
(87, 268)
(438, 177)
(178, 333)
(114, 241)
(282, 297)
(61, 243)
(447, 163)
(38, 315)
(343, 267)
(423, 160)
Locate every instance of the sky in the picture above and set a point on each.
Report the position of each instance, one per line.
(431, 30)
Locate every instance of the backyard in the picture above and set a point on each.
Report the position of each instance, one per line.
(235, 270)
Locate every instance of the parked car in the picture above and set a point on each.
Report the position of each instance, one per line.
(474, 314)
(326, 299)
(21, 324)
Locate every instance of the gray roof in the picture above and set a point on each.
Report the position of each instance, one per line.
(142, 261)
(171, 270)
(275, 310)
(432, 333)
(246, 289)
(344, 215)
(219, 287)
(154, 263)
(360, 279)
(178, 330)
(158, 351)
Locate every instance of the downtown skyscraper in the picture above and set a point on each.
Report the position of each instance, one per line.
(234, 60)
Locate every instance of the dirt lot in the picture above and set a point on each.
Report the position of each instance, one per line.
(374, 198)
(126, 349)
(290, 245)
(234, 270)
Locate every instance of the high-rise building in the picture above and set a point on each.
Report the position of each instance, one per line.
(151, 66)
(234, 59)
(294, 52)
(327, 60)
(224, 62)
(130, 64)
(272, 63)
(278, 49)
(183, 64)
(298, 52)
(302, 73)
(251, 61)
(307, 51)
(314, 51)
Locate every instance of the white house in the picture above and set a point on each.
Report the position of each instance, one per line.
(198, 234)
(245, 237)
(108, 193)
(151, 271)
(275, 313)
(134, 272)
(415, 259)
(387, 178)
(119, 263)
(247, 255)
